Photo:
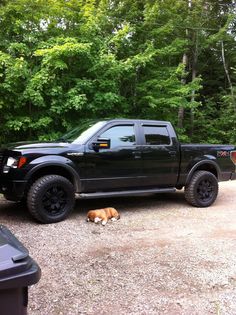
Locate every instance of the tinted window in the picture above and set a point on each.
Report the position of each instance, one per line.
(120, 136)
(156, 135)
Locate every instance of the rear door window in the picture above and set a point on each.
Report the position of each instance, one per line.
(156, 135)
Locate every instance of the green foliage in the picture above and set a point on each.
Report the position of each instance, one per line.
(65, 61)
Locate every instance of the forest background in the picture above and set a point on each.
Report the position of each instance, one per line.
(66, 61)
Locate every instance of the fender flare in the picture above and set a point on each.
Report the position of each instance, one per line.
(75, 176)
(201, 163)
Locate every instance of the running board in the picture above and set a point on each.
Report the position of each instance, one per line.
(126, 193)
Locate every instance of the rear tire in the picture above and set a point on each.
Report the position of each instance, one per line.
(51, 199)
(202, 190)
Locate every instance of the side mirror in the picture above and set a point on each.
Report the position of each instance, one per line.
(101, 143)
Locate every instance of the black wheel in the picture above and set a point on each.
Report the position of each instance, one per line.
(51, 199)
(202, 189)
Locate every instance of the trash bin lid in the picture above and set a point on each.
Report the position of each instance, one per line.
(17, 268)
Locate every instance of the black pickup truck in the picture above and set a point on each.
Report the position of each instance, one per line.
(112, 158)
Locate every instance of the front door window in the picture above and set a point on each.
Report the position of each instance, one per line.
(120, 136)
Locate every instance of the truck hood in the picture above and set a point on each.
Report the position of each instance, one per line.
(29, 145)
(40, 148)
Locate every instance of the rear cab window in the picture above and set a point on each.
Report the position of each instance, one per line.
(156, 135)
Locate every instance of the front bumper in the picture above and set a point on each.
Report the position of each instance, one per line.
(13, 190)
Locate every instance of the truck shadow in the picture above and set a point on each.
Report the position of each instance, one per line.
(133, 203)
(12, 211)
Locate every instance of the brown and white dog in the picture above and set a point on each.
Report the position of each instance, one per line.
(103, 215)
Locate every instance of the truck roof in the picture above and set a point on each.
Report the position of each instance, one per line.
(136, 120)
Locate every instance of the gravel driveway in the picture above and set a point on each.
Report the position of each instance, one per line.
(162, 257)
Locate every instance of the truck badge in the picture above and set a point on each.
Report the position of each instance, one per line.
(223, 153)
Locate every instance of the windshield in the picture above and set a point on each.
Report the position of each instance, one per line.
(82, 133)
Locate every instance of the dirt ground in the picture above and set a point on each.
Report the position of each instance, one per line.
(162, 257)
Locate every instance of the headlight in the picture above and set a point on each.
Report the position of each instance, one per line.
(14, 163)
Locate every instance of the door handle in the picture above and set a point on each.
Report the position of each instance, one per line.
(172, 153)
(136, 154)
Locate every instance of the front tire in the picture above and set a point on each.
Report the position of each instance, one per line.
(202, 190)
(51, 199)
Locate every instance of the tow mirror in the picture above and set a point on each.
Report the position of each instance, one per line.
(101, 143)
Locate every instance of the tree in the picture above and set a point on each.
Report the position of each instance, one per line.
(65, 61)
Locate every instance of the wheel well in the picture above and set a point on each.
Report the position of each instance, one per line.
(52, 170)
(202, 167)
(207, 167)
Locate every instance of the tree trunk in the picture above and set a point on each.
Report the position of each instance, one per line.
(227, 75)
(194, 75)
(183, 81)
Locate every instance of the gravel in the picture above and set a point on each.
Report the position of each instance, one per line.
(162, 257)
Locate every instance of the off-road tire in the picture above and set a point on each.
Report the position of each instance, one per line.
(51, 198)
(202, 190)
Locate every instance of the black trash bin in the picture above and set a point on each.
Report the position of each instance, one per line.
(17, 271)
